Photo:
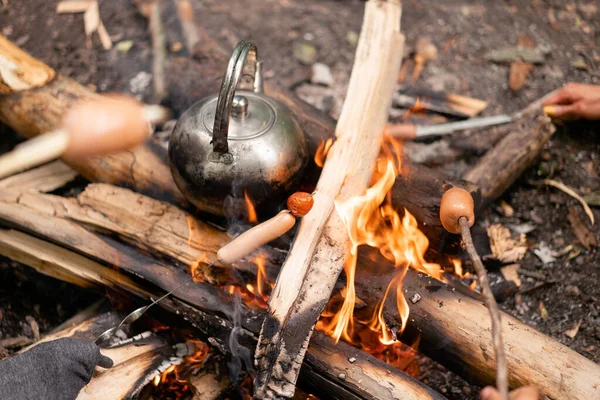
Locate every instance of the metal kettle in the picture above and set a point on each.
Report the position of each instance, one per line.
(237, 142)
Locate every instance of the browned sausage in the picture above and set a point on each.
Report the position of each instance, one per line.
(300, 203)
(456, 203)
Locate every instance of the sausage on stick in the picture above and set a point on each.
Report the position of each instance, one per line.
(103, 125)
(457, 216)
(299, 204)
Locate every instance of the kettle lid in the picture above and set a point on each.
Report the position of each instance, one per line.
(251, 115)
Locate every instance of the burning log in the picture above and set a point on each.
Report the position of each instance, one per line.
(136, 360)
(334, 372)
(145, 168)
(453, 328)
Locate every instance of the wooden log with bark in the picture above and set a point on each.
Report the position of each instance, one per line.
(453, 328)
(502, 165)
(61, 245)
(318, 254)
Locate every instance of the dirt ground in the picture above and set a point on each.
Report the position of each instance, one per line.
(324, 31)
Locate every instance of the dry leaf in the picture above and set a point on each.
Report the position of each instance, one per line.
(504, 248)
(510, 273)
(543, 311)
(573, 331)
(583, 234)
(518, 74)
(506, 209)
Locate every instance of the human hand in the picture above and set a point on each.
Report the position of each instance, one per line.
(524, 393)
(58, 369)
(574, 101)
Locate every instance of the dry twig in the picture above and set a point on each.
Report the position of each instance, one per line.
(572, 193)
(159, 52)
(490, 303)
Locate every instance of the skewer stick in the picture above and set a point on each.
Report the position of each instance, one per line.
(457, 216)
(492, 306)
(91, 128)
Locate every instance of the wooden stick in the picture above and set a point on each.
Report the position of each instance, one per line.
(317, 257)
(43, 179)
(492, 306)
(159, 51)
(34, 152)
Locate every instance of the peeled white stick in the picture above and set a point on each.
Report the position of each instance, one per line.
(100, 126)
(255, 237)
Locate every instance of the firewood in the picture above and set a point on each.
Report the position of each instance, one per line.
(19, 71)
(501, 166)
(451, 325)
(317, 257)
(145, 168)
(364, 378)
(42, 179)
(454, 330)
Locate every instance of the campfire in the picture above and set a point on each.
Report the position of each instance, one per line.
(331, 291)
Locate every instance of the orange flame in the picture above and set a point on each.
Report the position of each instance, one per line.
(322, 151)
(415, 108)
(174, 378)
(250, 209)
(371, 220)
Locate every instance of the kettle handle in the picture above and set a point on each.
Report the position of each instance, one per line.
(243, 61)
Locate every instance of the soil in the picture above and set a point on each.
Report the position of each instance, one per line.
(568, 32)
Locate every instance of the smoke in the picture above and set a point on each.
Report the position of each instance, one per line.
(241, 363)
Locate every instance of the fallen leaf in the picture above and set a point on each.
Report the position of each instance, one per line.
(543, 311)
(504, 248)
(523, 228)
(124, 46)
(518, 74)
(506, 209)
(573, 331)
(573, 194)
(579, 64)
(510, 273)
(544, 253)
(583, 234)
